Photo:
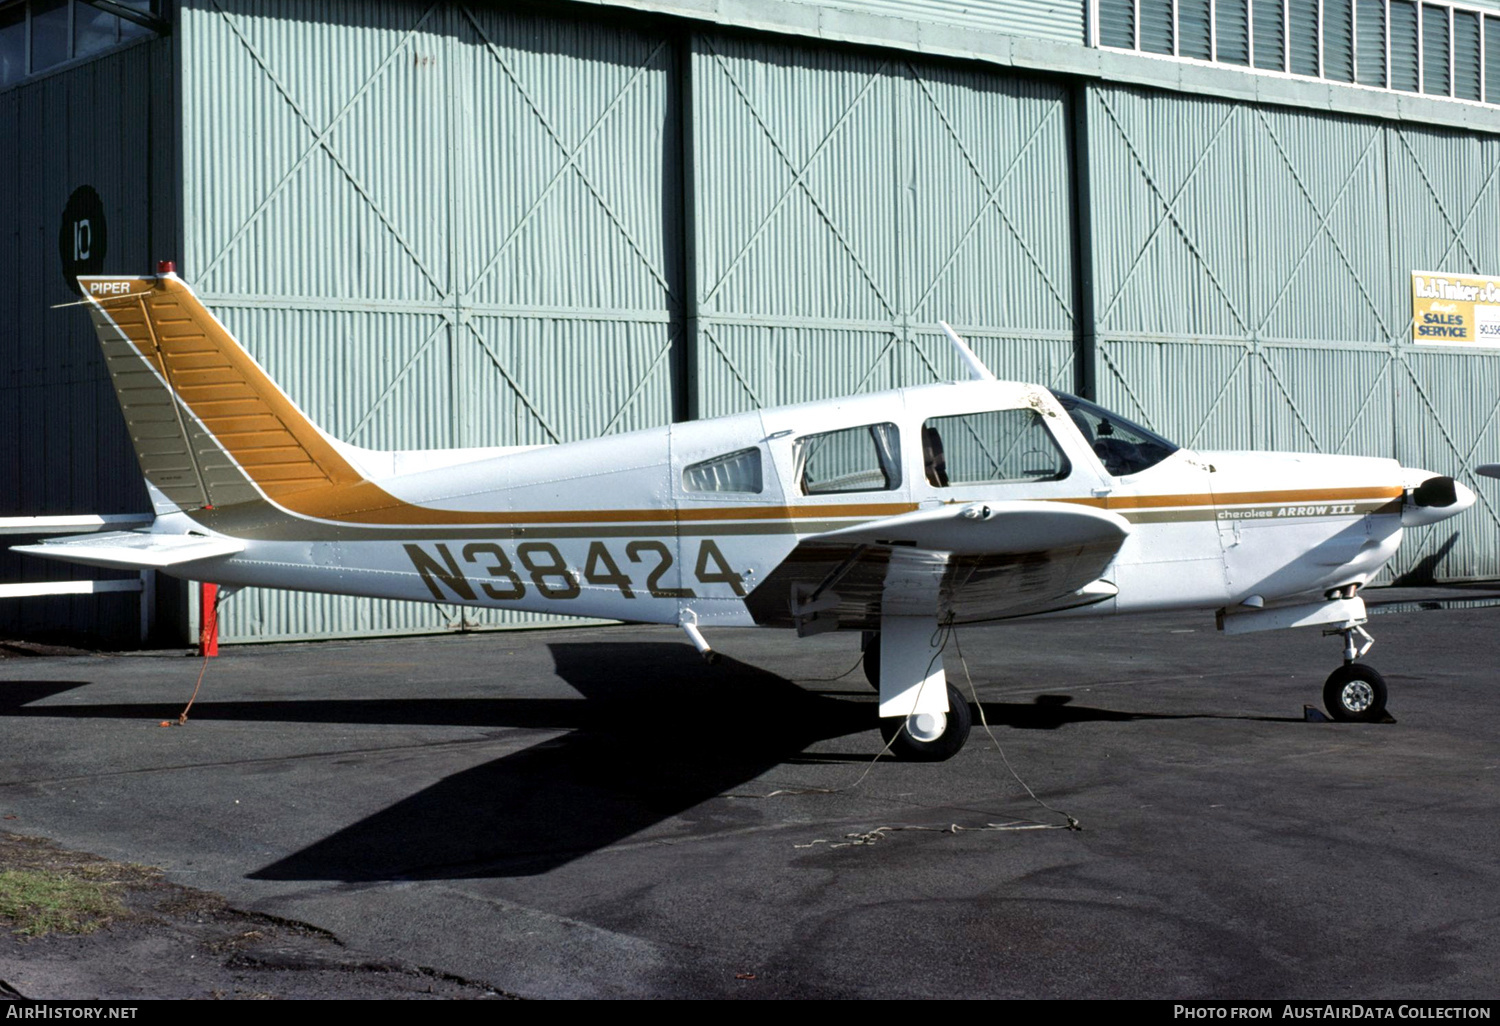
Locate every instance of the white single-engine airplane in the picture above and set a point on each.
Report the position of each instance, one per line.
(900, 514)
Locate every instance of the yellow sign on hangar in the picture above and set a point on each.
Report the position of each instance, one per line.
(1455, 310)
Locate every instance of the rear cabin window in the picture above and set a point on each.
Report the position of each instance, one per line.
(858, 459)
(991, 447)
(732, 472)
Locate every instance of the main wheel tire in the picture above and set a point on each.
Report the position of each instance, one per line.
(1355, 694)
(949, 739)
(869, 643)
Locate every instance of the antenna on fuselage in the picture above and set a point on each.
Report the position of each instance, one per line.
(977, 370)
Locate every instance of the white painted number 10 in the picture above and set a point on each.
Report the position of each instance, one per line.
(83, 239)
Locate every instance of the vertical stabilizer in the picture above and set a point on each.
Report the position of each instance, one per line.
(209, 427)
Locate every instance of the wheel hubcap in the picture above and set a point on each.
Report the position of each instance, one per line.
(1358, 696)
(926, 726)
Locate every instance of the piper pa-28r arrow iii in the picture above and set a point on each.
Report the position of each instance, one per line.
(901, 514)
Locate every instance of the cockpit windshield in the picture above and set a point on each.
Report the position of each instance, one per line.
(1123, 446)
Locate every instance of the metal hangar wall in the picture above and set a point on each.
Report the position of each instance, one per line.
(447, 224)
(498, 225)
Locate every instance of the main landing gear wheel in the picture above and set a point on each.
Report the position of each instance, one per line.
(929, 737)
(869, 643)
(1355, 694)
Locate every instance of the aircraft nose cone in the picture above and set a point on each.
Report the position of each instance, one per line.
(1466, 497)
(1431, 497)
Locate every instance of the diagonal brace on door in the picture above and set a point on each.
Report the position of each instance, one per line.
(799, 180)
(320, 140)
(390, 388)
(1169, 212)
(641, 381)
(1364, 404)
(1456, 229)
(707, 333)
(991, 197)
(571, 157)
(1291, 403)
(510, 379)
(1115, 370)
(1466, 459)
(1218, 397)
(1324, 218)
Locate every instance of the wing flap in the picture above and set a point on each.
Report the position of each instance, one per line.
(977, 562)
(133, 550)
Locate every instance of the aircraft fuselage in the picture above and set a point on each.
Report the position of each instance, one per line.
(614, 528)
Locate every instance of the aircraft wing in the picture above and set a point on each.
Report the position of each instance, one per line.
(976, 561)
(132, 550)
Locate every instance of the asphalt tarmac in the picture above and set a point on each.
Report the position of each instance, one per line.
(597, 813)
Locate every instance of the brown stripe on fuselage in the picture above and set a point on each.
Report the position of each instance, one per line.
(1191, 514)
(1191, 507)
(427, 515)
(261, 521)
(1290, 496)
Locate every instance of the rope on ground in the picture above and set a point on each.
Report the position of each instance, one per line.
(182, 717)
(945, 631)
(942, 635)
(879, 833)
(1072, 824)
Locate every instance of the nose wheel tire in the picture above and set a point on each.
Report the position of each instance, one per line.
(929, 737)
(1355, 694)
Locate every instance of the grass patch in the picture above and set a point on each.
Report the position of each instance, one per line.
(39, 902)
(45, 889)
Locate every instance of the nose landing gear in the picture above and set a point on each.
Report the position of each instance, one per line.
(1355, 693)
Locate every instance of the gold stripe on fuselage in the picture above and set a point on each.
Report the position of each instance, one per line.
(264, 521)
(1298, 497)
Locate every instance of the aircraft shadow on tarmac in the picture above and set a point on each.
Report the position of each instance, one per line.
(657, 734)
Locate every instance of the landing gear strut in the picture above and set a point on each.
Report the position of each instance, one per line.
(923, 718)
(1355, 693)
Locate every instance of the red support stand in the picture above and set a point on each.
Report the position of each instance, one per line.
(208, 618)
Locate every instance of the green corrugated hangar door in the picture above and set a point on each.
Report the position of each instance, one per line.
(437, 225)
(1445, 215)
(1252, 290)
(845, 202)
(464, 227)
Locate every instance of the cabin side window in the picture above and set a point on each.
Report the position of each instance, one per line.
(857, 459)
(733, 472)
(991, 447)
